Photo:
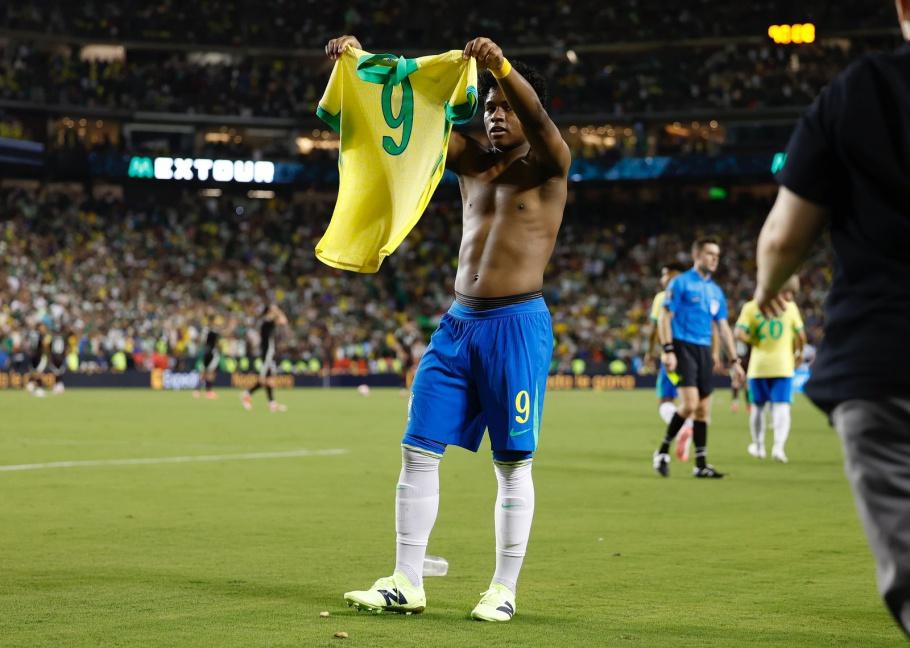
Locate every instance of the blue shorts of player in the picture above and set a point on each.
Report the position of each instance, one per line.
(776, 390)
(483, 369)
(665, 387)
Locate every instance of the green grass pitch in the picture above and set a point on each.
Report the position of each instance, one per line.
(249, 552)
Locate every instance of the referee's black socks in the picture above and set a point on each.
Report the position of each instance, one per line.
(673, 428)
(700, 440)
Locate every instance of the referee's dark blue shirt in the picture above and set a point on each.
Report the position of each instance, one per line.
(696, 303)
(851, 154)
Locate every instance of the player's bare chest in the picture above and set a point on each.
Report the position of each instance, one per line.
(485, 198)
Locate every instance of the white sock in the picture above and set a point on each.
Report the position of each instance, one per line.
(416, 505)
(780, 414)
(757, 425)
(666, 411)
(513, 514)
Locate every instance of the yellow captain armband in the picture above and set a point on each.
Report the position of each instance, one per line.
(503, 70)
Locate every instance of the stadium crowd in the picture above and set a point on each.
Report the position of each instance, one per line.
(301, 23)
(135, 285)
(740, 76)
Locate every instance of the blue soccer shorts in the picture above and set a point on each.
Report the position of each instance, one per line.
(483, 370)
(775, 390)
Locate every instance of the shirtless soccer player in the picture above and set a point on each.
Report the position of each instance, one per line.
(486, 365)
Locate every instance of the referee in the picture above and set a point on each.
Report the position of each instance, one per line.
(848, 171)
(694, 308)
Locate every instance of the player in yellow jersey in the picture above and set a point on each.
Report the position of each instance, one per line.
(777, 346)
(486, 366)
(666, 383)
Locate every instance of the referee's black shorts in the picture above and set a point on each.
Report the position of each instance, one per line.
(694, 366)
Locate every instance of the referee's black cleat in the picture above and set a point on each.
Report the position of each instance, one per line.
(661, 462)
(708, 472)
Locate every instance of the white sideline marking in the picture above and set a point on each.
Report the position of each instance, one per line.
(301, 452)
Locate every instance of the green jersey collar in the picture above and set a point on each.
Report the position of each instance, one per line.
(385, 68)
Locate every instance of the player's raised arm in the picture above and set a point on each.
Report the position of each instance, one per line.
(546, 141)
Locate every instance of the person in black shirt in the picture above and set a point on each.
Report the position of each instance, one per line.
(58, 359)
(271, 318)
(848, 170)
(39, 350)
(210, 359)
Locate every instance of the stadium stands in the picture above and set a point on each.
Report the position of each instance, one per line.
(146, 278)
(729, 76)
(301, 23)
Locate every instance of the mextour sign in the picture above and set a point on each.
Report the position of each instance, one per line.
(202, 169)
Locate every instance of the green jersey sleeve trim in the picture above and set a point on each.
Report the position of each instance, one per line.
(463, 112)
(334, 121)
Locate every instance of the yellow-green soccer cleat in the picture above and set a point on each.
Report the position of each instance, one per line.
(393, 593)
(496, 604)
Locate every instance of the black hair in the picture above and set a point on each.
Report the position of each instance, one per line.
(487, 82)
(699, 245)
(674, 266)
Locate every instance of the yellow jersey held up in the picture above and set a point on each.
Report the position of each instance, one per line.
(394, 116)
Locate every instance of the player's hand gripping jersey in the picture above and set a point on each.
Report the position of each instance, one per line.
(394, 116)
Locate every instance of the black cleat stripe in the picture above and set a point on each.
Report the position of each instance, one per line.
(507, 608)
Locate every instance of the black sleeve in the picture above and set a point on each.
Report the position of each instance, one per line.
(810, 170)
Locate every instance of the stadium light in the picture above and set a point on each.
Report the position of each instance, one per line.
(798, 34)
